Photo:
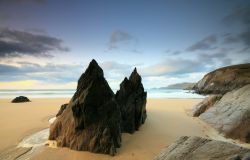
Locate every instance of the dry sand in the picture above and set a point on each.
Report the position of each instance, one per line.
(166, 122)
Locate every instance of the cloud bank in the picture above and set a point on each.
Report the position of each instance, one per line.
(15, 43)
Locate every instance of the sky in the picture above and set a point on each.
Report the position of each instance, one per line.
(47, 44)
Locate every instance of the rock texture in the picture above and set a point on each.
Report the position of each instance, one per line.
(231, 115)
(132, 101)
(196, 148)
(92, 119)
(205, 105)
(63, 107)
(224, 80)
(20, 99)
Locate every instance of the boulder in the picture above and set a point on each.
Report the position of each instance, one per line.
(197, 148)
(20, 99)
(63, 107)
(91, 122)
(132, 101)
(231, 114)
(205, 105)
(224, 80)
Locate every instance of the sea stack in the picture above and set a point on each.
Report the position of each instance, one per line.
(91, 121)
(132, 101)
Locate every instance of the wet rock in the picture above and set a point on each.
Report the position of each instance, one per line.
(91, 122)
(63, 107)
(20, 99)
(197, 148)
(132, 101)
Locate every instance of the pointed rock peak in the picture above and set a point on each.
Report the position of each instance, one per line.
(94, 69)
(135, 77)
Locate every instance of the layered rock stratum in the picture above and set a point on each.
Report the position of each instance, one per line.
(223, 80)
(231, 114)
(229, 110)
(197, 148)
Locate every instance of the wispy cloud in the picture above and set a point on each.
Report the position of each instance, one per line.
(124, 41)
(15, 43)
(204, 44)
(33, 71)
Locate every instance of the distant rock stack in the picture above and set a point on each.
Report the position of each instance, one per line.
(132, 101)
(91, 122)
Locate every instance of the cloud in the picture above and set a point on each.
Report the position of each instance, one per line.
(241, 16)
(31, 71)
(173, 67)
(14, 43)
(204, 44)
(124, 41)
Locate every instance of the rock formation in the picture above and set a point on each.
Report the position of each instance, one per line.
(231, 114)
(229, 111)
(63, 107)
(196, 148)
(91, 121)
(224, 80)
(132, 101)
(205, 105)
(20, 99)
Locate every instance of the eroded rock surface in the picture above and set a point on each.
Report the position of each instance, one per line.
(224, 80)
(205, 105)
(92, 119)
(132, 101)
(196, 148)
(231, 115)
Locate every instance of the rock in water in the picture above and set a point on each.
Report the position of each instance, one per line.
(231, 115)
(91, 122)
(132, 101)
(63, 107)
(196, 148)
(20, 99)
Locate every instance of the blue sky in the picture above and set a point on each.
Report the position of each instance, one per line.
(48, 44)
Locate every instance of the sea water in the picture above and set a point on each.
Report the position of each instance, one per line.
(67, 93)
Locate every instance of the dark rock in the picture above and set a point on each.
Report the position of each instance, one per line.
(132, 101)
(91, 122)
(20, 99)
(223, 80)
(63, 107)
(197, 148)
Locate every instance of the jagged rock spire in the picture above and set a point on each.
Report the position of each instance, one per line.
(132, 100)
(92, 119)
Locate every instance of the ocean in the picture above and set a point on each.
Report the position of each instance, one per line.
(67, 93)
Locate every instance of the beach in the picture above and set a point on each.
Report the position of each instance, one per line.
(166, 121)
